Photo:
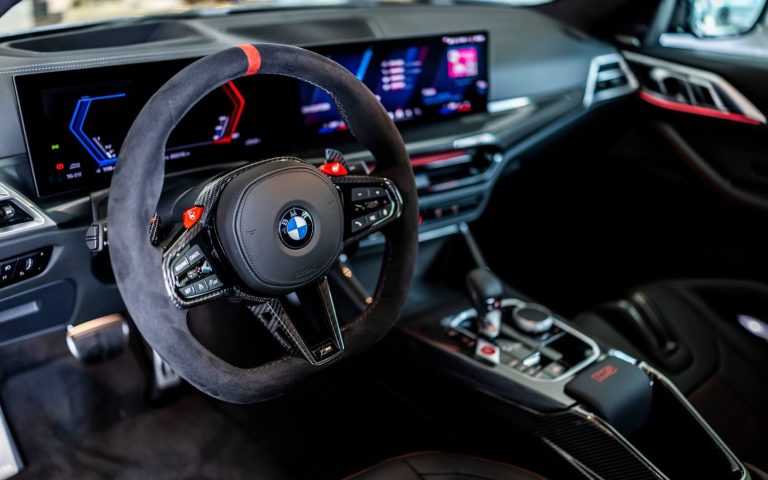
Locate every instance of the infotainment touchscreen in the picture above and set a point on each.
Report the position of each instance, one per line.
(75, 121)
(415, 79)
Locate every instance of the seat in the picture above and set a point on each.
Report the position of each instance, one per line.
(443, 466)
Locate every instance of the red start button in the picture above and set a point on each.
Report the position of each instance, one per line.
(488, 349)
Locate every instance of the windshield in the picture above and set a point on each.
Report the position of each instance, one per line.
(30, 14)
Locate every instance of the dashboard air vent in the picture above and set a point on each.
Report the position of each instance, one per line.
(609, 77)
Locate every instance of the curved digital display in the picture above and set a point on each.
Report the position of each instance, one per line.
(75, 121)
(425, 78)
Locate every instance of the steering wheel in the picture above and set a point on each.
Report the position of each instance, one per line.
(261, 231)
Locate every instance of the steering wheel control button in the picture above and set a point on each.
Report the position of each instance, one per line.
(194, 255)
(201, 287)
(360, 194)
(296, 228)
(213, 283)
(191, 216)
(533, 319)
(180, 266)
(487, 352)
(359, 223)
(205, 268)
(187, 291)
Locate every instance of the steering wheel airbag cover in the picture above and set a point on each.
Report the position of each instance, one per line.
(137, 184)
(248, 216)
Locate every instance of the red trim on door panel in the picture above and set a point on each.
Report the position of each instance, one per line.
(693, 109)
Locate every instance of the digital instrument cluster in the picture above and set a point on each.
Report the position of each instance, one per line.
(75, 121)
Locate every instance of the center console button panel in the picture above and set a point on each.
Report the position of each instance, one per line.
(554, 355)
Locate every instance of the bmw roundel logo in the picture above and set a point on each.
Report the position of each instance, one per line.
(296, 227)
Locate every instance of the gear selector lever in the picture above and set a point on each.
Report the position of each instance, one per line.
(486, 291)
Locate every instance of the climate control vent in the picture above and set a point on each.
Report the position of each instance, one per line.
(443, 171)
(609, 77)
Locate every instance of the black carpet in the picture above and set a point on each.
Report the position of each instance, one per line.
(91, 422)
(71, 421)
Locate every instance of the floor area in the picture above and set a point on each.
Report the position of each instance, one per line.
(72, 421)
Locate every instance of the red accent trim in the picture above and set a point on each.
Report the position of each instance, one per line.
(604, 373)
(333, 169)
(191, 216)
(254, 58)
(703, 111)
(421, 161)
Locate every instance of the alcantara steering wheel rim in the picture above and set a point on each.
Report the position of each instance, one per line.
(141, 270)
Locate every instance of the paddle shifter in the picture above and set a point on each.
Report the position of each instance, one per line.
(486, 291)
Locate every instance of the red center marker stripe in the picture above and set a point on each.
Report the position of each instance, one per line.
(254, 58)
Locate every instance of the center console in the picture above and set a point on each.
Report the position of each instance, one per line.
(604, 412)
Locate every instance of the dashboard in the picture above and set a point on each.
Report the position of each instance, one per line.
(75, 121)
(472, 89)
